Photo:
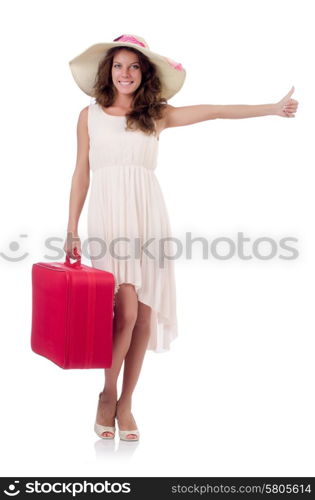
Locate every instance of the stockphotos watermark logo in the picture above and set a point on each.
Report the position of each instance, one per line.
(12, 489)
(163, 249)
(75, 488)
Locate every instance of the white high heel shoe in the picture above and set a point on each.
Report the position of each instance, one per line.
(123, 434)
(99, 429)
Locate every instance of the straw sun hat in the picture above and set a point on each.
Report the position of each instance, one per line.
(84, 66)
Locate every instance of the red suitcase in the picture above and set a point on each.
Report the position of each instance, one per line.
(72, 314)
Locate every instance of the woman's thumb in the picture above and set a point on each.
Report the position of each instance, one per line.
(290, 92)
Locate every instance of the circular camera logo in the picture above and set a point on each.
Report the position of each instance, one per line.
(12, 490)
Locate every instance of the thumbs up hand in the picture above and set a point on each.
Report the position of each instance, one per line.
(287, 107)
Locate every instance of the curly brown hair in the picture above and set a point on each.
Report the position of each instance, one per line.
(148, 103)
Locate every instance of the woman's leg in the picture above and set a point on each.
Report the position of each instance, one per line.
(132, 367)
(125, 315)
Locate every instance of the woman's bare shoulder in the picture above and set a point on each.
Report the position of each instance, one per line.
(84, 111)
(83, 116)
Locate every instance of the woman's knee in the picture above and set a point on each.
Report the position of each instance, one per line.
(126, 306)
(126, 319)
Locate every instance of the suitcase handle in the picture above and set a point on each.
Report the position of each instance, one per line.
(77, 263)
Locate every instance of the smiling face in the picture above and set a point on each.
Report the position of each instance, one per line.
(126, 71)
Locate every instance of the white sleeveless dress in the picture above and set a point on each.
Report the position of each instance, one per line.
(128, 225)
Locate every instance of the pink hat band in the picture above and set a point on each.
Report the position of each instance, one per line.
(128, 38)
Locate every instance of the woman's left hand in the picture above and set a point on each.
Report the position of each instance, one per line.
(287, 107)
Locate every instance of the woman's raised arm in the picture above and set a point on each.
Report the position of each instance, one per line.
(187, 115)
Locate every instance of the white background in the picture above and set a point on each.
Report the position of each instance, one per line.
(234, 395)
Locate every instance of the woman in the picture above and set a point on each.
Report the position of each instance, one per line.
(118, 138)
